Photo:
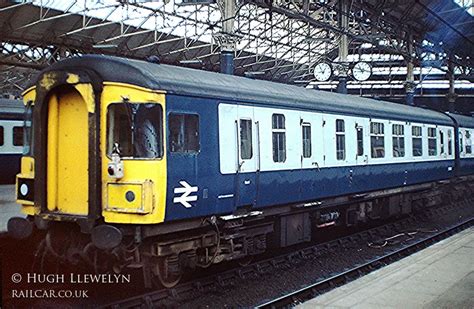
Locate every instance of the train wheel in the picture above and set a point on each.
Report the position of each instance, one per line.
(167, 278)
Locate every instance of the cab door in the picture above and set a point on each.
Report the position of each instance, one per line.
(247, 156)
(67, 157)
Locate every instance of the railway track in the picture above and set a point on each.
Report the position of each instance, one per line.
(228, 278)
(323, 286)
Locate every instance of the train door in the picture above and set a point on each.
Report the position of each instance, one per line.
(247, 165)
(312, 142)
(362, 151)
(68, 152)
(311, 154)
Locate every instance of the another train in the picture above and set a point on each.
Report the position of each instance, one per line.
(11, 139)
(167, 168)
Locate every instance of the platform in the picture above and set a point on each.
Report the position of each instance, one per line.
(8, 207)
(440, 276)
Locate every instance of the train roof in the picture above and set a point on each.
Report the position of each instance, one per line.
(11, 107)
(463, 121)
(186, 81)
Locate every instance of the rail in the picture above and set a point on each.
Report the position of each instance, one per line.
(320, 287)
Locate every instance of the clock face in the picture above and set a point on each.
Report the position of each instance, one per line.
(361, 71)
(322, 71)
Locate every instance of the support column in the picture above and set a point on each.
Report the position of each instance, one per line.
(343, 46)
(451, 96)
(227, 38)
(410, 85)
(227, 62)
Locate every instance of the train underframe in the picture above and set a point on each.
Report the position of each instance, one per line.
(165, 252)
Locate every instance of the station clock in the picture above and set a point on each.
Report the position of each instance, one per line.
(361, 71)
(322, 71)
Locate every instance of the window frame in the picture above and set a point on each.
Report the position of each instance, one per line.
(417, 137)
(14, 131)
(398, 135)
(279, 132)
(161, 132)
(432, 138)
(198, 130)
(308, 144)
(241, 140)
(442, 146)
(360, 139)
(468, 135)
(379, 133)
(450, 142)
(340, 136)
(2, 136)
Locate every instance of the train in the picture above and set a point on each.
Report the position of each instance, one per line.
(11, 138)
(168, 169)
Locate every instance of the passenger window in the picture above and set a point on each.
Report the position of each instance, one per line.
(340, 140)
(306, 133)
(417, 141)
(246, 139)
(441, 137)
(450, 142)
(17, 136)
(136, 128)
(398, 136)
(183, 133)
(468, 142)
(461, 142)
(278, 138)
(432, 142)
(1, 136)
(377, 142)
(360, 140)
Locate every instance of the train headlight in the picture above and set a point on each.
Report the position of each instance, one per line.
(115, 168)
(25, 189)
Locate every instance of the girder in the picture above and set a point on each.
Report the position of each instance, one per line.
(280, 40)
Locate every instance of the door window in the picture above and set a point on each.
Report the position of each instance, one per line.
(306, 134)
(340, 140)
(246, 151)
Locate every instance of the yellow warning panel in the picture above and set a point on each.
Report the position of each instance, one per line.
(129, 197)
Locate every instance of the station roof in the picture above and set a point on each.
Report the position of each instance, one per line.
(439, 21)
(186, 81)
(27, 23)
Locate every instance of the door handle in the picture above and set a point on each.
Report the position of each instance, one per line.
(316, 164)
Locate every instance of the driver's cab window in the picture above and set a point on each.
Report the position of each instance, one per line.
(134, 130)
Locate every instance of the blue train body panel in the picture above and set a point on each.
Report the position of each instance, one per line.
(466, 167)
(218, 193)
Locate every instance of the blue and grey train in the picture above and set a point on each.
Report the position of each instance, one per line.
(11, 139)
(169, 168)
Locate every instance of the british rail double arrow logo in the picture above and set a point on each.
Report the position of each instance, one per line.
(185, 198)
